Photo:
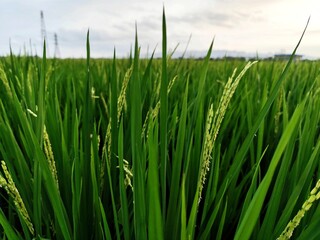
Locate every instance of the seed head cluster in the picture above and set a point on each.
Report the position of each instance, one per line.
(155, 111)
(314, 196)
(122, 96)
(49, 154)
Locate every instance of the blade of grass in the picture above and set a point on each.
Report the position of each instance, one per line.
(94, 184)
(114, 120)
(114, 207)
(37, 198)
(122, 188)
(41, 98)
(211, 218)
(39, 133)
(155, 226)
(183, 210)
(86, 218)
(138, 161)
(7, 227)
(164, 118)
(222, 222)
(104, 221)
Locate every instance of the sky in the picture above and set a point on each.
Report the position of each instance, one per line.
(238, 27)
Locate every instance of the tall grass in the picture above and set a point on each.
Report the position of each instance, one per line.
(158, 149)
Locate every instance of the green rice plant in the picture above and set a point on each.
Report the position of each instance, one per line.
(202, 161)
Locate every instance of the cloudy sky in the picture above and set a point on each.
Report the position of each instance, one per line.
(237, 26)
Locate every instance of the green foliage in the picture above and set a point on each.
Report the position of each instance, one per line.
(158, 149)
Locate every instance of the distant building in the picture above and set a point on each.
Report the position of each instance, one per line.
(285, 57)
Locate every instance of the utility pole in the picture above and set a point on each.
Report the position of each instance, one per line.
(43, 31)
(56, 46)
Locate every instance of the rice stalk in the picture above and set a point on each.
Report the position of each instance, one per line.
(278, 114)
(4, 79)
(206, 155)
(122, 95)
(144, 127)
(50, 157)
(13, 192)
(155, 111)
(213, 126)
(106, 146)
(171, 83)
(129, 174)
(106, 150)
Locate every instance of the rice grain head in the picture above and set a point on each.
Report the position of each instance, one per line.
(13, 192)
(4, 79)
(122, 96)
(294, 223)
(206, 155)
(213, 126)
(49, 154)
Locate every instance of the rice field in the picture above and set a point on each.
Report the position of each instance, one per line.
(159, 148)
